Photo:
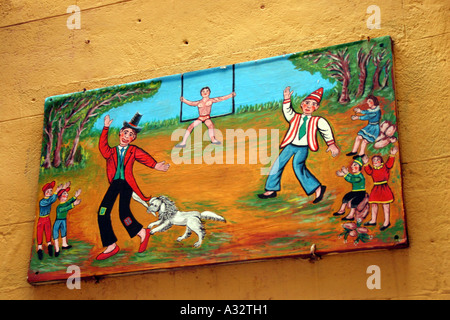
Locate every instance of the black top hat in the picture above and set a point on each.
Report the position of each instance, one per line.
(134, 122)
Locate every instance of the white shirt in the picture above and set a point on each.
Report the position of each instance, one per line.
(124, 150)
(322, 125)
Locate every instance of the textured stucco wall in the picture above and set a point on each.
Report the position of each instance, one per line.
(122, 41)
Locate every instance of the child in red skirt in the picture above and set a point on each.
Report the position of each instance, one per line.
(381, 193)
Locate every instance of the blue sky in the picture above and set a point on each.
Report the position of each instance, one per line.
(257, 81)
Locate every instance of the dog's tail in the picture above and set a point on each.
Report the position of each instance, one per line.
(138, 199)
(208, 215)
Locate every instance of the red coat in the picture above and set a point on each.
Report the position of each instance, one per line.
(381, 193)
(133, 154)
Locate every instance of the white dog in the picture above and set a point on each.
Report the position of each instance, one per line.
(168, 215)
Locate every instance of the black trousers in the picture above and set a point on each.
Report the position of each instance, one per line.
(355, 197)
(122, 188)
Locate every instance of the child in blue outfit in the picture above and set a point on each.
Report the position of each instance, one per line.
(369, 133)
(44, 224)
(60, 225)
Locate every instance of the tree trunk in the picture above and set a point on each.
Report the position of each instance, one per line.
(48, 130)
(385, 81)
(57, 152)
(363, 60)
(362, 81)
(70, 159)
(77, 107)
(340, 70)
(344, 98)
(378, 67)
(47, 162)
(376, 79)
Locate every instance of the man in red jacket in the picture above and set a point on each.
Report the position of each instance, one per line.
(119, 170)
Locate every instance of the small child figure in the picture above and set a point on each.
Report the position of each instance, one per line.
(44, 224)
(371, 131)
(381, 193)
(358, 193)
(60, 225)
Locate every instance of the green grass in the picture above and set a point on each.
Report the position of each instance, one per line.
(161, 252)
(73, 256)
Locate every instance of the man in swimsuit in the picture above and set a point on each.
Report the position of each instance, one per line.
(204, 109)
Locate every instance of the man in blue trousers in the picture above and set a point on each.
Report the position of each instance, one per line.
(299, 139)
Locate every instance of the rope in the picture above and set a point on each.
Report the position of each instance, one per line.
(181, 106)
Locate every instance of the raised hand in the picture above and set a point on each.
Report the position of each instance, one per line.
(394, 150)
(107, 121)
(365, 159)
(287, 93)
(339, 173)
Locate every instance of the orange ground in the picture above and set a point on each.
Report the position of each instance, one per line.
(255, 229)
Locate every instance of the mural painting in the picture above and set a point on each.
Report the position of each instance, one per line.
(262, 159)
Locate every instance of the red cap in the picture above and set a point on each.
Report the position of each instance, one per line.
(60, 192)
(316, 95)
(48, 186)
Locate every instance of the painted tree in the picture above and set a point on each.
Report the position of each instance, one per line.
(348, 65)
(340, 70)
(380, 62)
(363, 59)
(66, 121)
(333, 65)
(387, 70)
(67, 117)
(105, 100)
(51, 114)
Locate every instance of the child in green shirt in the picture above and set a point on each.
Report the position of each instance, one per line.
(358, 193)
(60, 225)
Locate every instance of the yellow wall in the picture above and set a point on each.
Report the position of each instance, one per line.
(132, 40)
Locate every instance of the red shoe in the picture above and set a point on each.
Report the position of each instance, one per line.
(104, 256)
(143, 245)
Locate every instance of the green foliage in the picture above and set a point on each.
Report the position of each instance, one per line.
(323, 61)
(161, 123)
(76, 114)
(274, 105)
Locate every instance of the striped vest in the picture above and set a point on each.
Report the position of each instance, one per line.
(311, 132)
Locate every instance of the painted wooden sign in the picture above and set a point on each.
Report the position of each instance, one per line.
(262, 159)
